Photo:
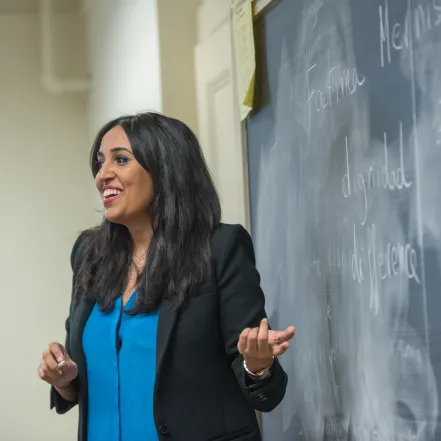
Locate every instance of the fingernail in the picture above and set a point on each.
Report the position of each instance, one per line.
(61, 363)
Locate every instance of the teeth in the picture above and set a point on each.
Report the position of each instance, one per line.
(111, 192)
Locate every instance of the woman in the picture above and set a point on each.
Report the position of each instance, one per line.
(167, 336)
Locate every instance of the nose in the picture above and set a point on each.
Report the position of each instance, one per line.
(106, 173)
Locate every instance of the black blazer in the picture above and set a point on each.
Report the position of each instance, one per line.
(201, 390)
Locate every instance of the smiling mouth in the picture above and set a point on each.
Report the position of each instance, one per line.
(110, 195)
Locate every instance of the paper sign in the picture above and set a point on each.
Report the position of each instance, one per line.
(245, 55)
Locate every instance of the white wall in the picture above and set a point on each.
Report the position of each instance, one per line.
(47, 197)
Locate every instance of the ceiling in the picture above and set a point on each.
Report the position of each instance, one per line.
(31, 6)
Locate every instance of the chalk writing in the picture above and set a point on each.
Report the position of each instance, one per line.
(352, 263)
(342, 81)
(375, 177)
(395, 259)
(373, 260)
(311, 13)
(357, 267)
(397, 36)
(338, 257)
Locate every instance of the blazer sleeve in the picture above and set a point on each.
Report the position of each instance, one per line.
(56, 400)
(242, 305)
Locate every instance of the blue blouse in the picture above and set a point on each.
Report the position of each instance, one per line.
(120, 383)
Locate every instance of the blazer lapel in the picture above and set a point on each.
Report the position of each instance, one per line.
(166, 322)
(79, 317)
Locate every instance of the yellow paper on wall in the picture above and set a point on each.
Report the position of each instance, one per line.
(245, 54)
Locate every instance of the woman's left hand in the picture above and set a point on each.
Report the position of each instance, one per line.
(259, 345)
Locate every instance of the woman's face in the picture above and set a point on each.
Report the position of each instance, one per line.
(126, 188)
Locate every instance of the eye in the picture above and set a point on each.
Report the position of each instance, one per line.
(99, 164)
(121, 160)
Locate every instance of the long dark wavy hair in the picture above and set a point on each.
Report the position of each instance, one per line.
(185, 210)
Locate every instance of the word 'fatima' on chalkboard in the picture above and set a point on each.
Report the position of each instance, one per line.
(244, 54)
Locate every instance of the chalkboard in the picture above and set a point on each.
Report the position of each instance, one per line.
(344, 158)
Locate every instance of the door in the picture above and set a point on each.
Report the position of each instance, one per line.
(220, 130)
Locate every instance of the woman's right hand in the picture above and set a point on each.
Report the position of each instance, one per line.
(56, 367)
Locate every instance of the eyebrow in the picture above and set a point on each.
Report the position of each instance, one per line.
(114, 150)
